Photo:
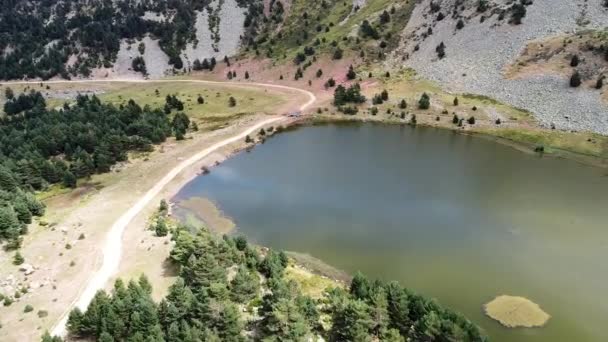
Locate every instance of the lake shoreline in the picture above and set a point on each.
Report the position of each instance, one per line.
(520, 146)
(460, 151)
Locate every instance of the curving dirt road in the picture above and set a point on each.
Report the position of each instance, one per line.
(112, 249)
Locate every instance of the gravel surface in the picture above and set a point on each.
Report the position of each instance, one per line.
(157, 62)
(477, 55)
(231, 28)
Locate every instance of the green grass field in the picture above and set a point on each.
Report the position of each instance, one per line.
(216, 98)
(248, 100)
(587, 144)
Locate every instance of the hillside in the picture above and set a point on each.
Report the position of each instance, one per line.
(463, 46)
(47, 39)
(489, 41)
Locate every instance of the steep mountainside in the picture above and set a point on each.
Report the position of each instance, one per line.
(465, 46)
(481, 41)
(44, 39)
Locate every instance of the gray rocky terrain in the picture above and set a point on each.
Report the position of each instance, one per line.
(477, 55)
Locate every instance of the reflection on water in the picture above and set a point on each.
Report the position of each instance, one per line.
(454, 217)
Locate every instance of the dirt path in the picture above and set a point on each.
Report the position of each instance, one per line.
(112, 249)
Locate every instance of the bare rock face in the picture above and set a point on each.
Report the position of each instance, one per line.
(157, 62)
(484, 44)
(218, 32)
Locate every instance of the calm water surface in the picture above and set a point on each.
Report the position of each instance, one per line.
(457, 218)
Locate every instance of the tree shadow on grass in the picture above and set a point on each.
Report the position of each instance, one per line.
(170, 269)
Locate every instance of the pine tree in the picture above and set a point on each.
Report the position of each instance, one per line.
(359, 286)
(163, 208)
(352, 322)
(48, 338)
(384, 95)
(574, 61)
(9, 93)
(161, 227)
(18, 259)
(600, 82)
(398, 308)
(244, 286)
(230, 325)
(9, 223)
(105, 337)
(351, 74)
(7, 180)
(69, 180)
(575, 79)
(21, 209)
(379, 311)
(424, 102)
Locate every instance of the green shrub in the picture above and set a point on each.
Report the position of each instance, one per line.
(424, 102)
(18, 259)
(575, 79)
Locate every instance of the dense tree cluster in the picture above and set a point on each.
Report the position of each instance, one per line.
(139, 65)
(24, 101)
(227, 291)
(37, 38)
(518, 11)
(351, 94)
(204, 65)
(39, 147)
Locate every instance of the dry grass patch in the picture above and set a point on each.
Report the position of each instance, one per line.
(514, 312)
(554, 56)
(312, 285)
(553, 141)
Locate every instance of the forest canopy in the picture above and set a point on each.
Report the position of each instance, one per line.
(227, 290)
(40, 147)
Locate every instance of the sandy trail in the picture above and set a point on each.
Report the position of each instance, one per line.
(112, 249)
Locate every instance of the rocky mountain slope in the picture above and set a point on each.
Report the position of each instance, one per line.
(480, 44)
(68, 38)
(486, 47)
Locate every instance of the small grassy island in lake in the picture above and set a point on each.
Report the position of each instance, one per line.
(513, 312)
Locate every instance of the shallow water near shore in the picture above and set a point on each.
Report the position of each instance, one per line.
(454, 217)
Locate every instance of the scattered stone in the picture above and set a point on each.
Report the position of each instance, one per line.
(27, 269)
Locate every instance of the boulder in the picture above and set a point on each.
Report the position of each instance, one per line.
(27, 269)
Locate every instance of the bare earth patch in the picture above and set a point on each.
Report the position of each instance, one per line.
(209, 214)
(513, 312)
